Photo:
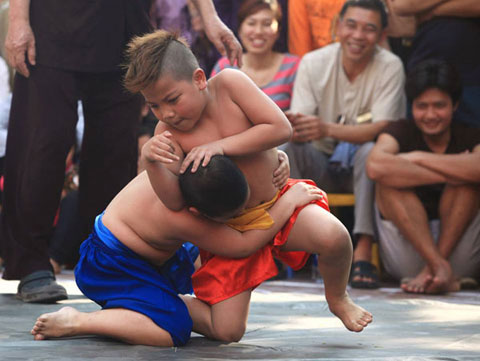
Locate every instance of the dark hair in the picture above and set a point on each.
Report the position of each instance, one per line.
(375, 5)
(152, 55)
(249, 7)
(433, 73)
(215, 190)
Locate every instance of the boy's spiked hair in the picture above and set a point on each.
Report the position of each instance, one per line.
(216, 190)
(150, 56)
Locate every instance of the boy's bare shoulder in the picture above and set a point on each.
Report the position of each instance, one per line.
(229, 78)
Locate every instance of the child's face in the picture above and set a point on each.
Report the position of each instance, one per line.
(178, 103)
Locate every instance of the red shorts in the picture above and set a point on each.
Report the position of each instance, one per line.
(220, 278)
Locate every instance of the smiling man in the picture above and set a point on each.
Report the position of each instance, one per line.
(427, 172)
(345, 94)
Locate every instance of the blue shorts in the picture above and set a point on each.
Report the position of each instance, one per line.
(114, 276)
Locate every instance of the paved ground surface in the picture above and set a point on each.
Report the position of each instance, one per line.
(288, 321)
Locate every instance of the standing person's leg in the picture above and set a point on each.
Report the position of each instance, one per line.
(108, 156)
(365, 274)
(319, 232)
(41, 132)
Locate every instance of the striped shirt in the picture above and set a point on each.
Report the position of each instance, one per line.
(281, 87)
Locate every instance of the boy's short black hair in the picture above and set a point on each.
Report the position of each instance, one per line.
(216, 190)
(433, 74)
(375, 5)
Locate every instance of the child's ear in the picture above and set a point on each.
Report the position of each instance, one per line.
(194, 211)
(199, 78)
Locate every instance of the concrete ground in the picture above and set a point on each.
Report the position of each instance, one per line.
(289, 320)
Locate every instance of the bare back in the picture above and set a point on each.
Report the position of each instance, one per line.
(141, 222)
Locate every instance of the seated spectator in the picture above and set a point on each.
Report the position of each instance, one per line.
(272, 71)
(427, 195)
(345, 93)
(448, 30)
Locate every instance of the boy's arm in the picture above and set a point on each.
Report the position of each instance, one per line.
(225, 241)
(386, 166)
(270, 126)
(162, 158)
(460, 8)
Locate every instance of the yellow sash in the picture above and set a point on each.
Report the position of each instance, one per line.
(254, 218)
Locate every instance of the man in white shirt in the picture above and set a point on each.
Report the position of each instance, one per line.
(344, 95)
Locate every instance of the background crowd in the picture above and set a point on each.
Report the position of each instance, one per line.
(383, 97)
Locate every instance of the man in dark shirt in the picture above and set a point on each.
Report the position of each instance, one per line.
(66, 51)
(427, 172)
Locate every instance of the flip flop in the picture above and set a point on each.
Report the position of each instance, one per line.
(364, 269)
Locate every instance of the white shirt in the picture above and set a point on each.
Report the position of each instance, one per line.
(323, 89)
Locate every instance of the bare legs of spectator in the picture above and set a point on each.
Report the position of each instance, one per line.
(458, 206)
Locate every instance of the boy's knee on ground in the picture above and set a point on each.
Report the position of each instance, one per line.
(229, 333)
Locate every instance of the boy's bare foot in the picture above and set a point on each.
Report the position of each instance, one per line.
(354, 317)
(418, 284)
(56, 324)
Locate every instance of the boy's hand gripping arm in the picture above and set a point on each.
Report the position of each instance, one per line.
(163, 157)
(224, 241)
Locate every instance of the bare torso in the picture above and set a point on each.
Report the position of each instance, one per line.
(225, 118)
(141, 222)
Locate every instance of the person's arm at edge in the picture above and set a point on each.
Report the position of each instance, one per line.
(218, 33)
(20, 38)
(385, 166)
(459, 8)
(224, 241)
(414, 7)
(457, 168)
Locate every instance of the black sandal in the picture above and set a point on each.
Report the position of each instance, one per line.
(364, 269)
